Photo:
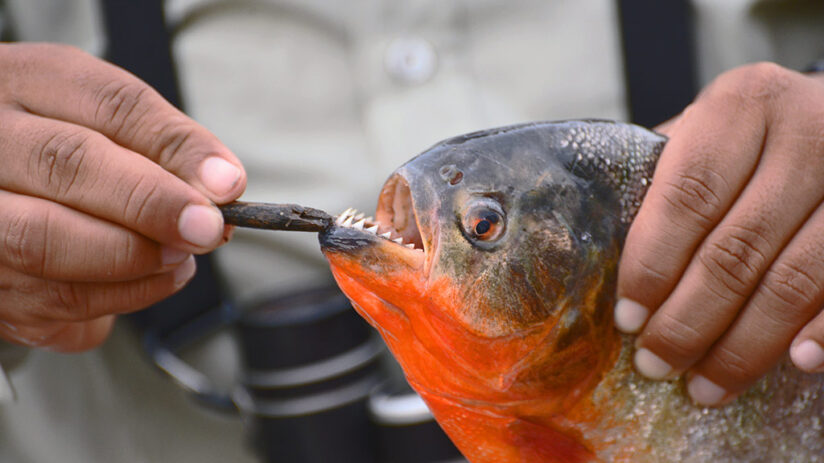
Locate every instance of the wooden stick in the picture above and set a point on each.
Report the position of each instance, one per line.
(289, 217)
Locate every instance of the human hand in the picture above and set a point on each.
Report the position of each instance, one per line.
(105, 192)
(723, 268)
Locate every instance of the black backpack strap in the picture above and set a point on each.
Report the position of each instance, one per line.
(659, 58)
(139, 41)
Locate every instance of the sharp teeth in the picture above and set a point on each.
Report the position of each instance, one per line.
(386, 235)
(347, 222)
(410, 245)
(359, 225)
(370, 219)
(359, 216)
(373, 229)
(398, 240)
(344, 215)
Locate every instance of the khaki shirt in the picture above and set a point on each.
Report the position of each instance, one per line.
(321, 100)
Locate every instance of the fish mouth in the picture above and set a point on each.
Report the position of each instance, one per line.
(395, 220)
(397, 209)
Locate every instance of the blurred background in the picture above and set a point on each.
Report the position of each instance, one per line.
(260, 358)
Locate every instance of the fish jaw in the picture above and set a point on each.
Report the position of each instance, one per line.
(375, 273)
(381, 266)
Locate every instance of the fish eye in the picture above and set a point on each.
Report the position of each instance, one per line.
(483, 220)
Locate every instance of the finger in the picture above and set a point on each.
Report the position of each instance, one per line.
(68, 84)
(60, 336)
(28, 300)
(712, 153)
(788, 296)
(667, 126)
(807, 351)
(75, 166)
(49, 241)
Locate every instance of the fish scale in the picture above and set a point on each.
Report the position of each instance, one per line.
(666, 426)
(616, 168)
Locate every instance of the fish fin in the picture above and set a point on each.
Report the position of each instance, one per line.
(486, 436)
(541, 442)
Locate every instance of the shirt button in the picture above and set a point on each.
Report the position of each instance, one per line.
(410, 60)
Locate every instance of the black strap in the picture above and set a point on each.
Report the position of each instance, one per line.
(659, 60)
(138, 40)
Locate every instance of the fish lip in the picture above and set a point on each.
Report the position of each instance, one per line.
(343, 238)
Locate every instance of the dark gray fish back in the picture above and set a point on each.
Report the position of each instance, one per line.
(620, 156)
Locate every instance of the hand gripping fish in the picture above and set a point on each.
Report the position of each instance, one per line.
(490, 272)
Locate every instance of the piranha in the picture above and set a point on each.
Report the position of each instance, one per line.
(489, 270)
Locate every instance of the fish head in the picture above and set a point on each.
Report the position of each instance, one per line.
(494, 278)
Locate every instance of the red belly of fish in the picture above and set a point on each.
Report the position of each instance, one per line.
(485, 437)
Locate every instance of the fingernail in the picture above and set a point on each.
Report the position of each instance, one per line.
(200, 225)
(807, 355)
(184, 271)
(705, 392)
(219, 175)
(630, 316)
(227, 234)
(651, 365)
(171, 256)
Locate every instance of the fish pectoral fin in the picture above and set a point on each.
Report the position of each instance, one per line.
(541, 442)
